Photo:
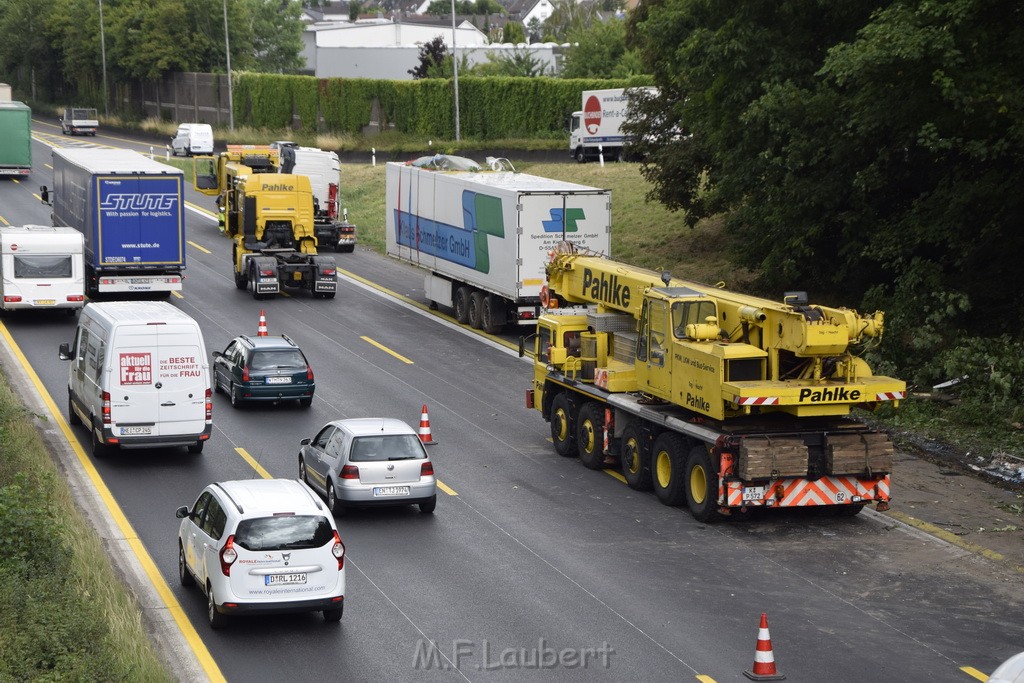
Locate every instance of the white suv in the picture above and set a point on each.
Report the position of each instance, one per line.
(261, 546)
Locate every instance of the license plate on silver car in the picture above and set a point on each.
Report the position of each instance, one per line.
(381, 491)
(284, 579)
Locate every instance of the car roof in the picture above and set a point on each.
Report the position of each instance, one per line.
(265, 496)
(373, 426)
(281, 342)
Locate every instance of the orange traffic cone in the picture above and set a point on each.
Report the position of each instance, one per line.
(425, 436)
(261, 331)
(764, 658)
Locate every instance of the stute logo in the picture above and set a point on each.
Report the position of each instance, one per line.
(592, 114)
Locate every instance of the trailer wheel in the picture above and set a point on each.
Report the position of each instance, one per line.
(462, 304)
(562, 433)
(636, 459)
(493, 314)
(476, 310)
(589, 435)
(702, 485)
(581, 156)
(668, 465)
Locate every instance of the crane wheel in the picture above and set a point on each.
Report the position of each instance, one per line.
(701, 485)
(668, 467)
(635, 457)
(562, 426)
(590, 435)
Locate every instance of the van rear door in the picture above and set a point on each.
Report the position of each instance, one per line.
(159, 382)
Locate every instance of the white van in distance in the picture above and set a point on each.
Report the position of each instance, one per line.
(192, 138)
(139, 377)
(41, 267)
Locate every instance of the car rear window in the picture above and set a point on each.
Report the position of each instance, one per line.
(386, 447)
(284, 532)
(284, 359)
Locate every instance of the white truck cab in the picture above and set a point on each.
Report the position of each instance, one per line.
(139, 377)
(41, 267)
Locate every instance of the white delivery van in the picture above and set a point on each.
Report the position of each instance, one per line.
(139, 377)
(192, 138)
(41, 267)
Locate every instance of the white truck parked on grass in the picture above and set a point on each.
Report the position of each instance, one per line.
(597, 128)
(483, 236)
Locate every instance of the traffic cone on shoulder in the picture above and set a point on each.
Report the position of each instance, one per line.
(764, 658)
(261, 331)
(425, 436)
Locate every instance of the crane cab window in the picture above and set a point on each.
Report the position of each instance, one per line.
(690, 313)
(653, 333)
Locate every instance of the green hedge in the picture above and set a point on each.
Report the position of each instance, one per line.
(489, 108)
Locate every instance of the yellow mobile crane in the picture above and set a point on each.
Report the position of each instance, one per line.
(715, 399)
(269, 218)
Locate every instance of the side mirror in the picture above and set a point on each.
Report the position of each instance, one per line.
(217, 354)
(304, 442)
(44, 195)
(64, 351)
(182, 512)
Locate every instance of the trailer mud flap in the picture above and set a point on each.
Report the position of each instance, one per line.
(264, 275)
(325, 274)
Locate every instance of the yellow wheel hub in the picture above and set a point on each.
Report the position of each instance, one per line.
(588, 430)
(632, 457)
(698, 484)
(563, 425)
(663, 468)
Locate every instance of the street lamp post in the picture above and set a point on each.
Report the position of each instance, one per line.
(455, 71)
(103, 56)
(227, 53)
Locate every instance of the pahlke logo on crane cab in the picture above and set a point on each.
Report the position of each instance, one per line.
(606, 289)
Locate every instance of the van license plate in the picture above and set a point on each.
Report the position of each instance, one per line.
(279, 380)
(136, 431)
(284, 579)
(379, 491)
(45, 302)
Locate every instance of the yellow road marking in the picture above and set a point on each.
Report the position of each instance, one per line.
(178, 294)
(617, 475)
(704, 679)
(252, 461)
(202, 249)
(951, 538)
(4, 220)
(387, 350)
(142, 555)
(971, 671)
(37, 196)
(16, 181)
(48, 166)
(424, 307)
(445, 488)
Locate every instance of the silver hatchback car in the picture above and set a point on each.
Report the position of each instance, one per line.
(368, 462)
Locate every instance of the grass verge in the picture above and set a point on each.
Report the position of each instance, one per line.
(65, 614)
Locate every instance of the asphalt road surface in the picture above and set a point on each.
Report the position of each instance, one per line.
(531, 565)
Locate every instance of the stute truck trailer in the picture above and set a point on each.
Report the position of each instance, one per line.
(483, 237)
(596, 129)
(717, 400)
(130, 210)
(15, 135)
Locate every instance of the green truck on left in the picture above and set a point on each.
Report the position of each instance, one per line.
(15, 135)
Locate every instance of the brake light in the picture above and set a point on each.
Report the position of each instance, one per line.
(339, 551)
(329, 272)
(76, 297)
(266, 272)
(106, 407)
(349, 472)
(12, 299)
(527, 315)
(427, 469)
(228, 555)
(209, 405)
(245, 374)
(309, 372)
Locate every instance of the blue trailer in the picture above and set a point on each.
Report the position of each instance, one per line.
(131, 211)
